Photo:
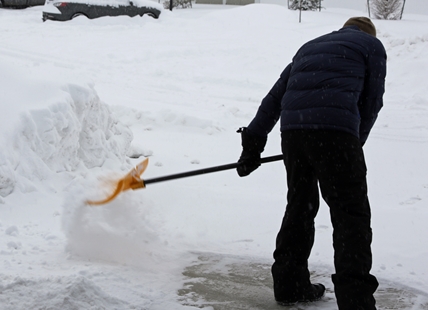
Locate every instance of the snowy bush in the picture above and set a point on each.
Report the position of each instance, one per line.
(178, 3)
(387, 9)
(307, 5)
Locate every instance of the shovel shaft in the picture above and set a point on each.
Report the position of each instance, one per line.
(206, 170)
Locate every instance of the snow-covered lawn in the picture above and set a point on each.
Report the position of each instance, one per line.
(81, 99)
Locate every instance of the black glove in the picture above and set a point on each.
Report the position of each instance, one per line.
(252, 147)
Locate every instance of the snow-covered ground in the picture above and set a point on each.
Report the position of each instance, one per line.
(81, 100)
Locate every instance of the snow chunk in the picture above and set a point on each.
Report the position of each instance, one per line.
(12, 231)
(14, 245)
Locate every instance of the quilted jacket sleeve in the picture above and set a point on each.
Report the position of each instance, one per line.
(371, 100)
(270, 109)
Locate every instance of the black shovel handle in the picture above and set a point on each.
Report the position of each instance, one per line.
(207, 170)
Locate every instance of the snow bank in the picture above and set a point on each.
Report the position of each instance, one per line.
(74, 129)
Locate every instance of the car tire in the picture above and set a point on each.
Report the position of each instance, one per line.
(151, 15)
(77, 15)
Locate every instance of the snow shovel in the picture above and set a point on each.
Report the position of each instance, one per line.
(133, 181)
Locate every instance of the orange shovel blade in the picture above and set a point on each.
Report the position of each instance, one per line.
(131, 181)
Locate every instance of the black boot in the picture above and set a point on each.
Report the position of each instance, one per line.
(313, 293)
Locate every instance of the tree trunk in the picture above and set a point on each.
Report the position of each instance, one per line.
(368, 6)
(402, 9)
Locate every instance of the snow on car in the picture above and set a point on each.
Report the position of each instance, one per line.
(63, 10)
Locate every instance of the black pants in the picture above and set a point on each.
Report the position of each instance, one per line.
(335, 160)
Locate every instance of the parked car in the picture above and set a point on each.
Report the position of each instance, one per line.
(20, 4)
(63, 10)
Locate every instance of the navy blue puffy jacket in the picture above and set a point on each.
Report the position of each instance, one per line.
(334, 82)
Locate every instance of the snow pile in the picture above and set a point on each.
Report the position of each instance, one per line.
(80, 130)
(77, 131)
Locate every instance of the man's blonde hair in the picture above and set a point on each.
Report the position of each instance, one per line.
(364, 23)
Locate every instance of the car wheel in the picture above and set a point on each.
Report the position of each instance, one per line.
(76, 15)
(151, 15)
